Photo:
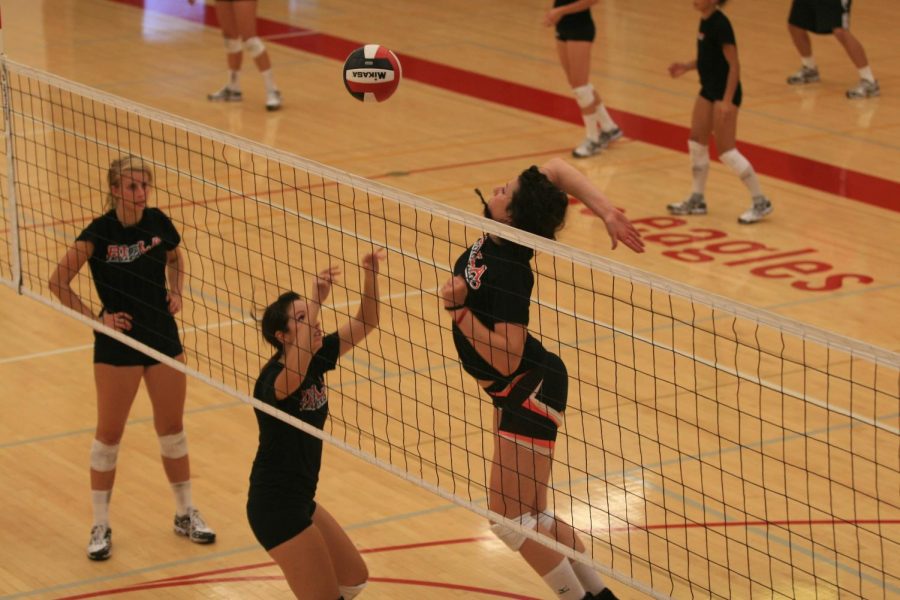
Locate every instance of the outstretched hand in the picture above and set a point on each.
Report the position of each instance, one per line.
(372, 260)
(620, 229)
(323, 283)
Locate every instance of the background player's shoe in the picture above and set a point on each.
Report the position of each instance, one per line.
(760, 209)
(695, 205)
(101, 542)
(803, 76)
(273, 100)
(864, 89)
(607, 137)
(194, 527)
(226, 94)
(587, 148)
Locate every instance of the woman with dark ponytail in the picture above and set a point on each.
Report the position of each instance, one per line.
(488, 300)
(315, 554)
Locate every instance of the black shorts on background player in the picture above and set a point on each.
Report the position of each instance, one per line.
(715, 32)
(129, 270)
(285, 472)
(820, 16)
(577, 27)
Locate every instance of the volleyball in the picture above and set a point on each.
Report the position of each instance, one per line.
(372, 73)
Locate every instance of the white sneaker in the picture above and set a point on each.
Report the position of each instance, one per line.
(760, 209)
(864, 89)
(803, 76)
(226, 94)
(695, 205)
(194, 527)
(273, 100)
(587, 148)
(607, 137)
(101, 542)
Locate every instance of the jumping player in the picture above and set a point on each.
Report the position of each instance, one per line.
(716, 112)
(131, 250)
(488, 298)
(315, 554)
(575, 32)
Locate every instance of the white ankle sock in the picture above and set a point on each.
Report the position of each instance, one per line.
(588, 577)
(866, 73)
(606, 121)
(699, 165)
(234, 80)
(100, 501)
(183, 500)
(563, 581)
(269, 80)
(591, 126)
(808, 61)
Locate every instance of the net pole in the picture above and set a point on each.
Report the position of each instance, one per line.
(12, 213)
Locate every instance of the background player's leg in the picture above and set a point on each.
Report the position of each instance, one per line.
(245, 17)
(234, 53)
(698, 150)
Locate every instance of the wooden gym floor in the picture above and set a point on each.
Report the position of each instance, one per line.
(483, 98)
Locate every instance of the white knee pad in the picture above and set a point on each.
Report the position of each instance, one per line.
(173, 446)
(103, 456)
(348, 592)
(584, 95)
(736, 161)
(699, 153)
(512, 538)
(254, 46)
(233, 45)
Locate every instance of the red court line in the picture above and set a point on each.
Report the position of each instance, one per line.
(807, 172)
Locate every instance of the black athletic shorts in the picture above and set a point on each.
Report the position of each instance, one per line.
(273, 526)
(578, 27)
(714, 95)
(820, 16)
(532, 405)
(164, 339)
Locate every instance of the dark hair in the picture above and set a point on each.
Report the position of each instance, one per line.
(276, 317)
(538, 206)
(722, 2)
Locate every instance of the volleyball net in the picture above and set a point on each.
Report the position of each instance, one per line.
(708, 449)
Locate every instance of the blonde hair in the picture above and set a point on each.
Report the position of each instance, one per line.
(123, 165)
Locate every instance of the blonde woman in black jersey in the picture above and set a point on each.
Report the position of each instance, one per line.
(138, 272)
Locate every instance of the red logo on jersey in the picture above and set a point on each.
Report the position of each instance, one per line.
(313, 398)
(473, 271)
(124, 253)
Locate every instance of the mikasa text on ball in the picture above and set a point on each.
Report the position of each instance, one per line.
(372, 73)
